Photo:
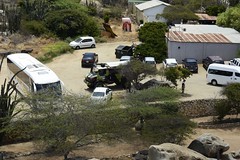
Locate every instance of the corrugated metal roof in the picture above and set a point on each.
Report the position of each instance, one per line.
(150, 4)
(206, 17)
(203, 33)
(189, 37)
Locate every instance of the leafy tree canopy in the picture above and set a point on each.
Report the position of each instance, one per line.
(177, 13)
(152, 35)
(70, 23)
(174, 73)
(135, 71)
(215, 10)
(230, 18)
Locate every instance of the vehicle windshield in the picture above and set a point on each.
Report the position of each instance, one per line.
(219, 61)
(52, 87)
(172, 64)
(192, 63)
(78, 40)
(150, 62)
(98, 94)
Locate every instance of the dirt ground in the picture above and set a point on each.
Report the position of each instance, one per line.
(68, 69)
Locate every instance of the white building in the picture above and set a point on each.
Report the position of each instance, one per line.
(200, 41)
(147, 11)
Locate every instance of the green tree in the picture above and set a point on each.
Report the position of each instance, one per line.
(177, 13)
(152, 36)
(174, 73)
(70, 23)
(13, 19)
(34, 9)
(215, 10)
(135, 71)
(230, 18)
(232, 93)
(61, 126)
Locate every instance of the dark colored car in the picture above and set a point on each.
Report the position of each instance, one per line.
(122, 50)
(211, 59)
(190, 64)
(89, 59)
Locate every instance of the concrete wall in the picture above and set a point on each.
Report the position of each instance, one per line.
(149, 15)
(200, 51)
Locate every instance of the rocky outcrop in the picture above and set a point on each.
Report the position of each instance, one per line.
(209, 145)
(169, 151)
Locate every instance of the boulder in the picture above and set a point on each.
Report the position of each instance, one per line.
(234, 155)
(169, 151)
(209, 145)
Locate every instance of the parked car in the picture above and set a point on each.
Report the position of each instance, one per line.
(83, 42)
(150, 60)
(235, 62)
(125, 58)
(170, 62)
(101, 94)
(122, 50)
(190, 64)
(89, 59)
(211, 59)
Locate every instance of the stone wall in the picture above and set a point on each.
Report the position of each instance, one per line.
(198, 108)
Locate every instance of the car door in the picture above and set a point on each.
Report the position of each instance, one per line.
(109, 94)
(85, 43)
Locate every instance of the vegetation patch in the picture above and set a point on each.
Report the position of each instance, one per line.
(53, 50)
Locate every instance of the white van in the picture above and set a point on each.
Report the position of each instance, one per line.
(223, 74)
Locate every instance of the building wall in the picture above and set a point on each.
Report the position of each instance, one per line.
(149, 15)
(200, 51)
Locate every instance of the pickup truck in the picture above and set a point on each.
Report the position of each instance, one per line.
(122, 50)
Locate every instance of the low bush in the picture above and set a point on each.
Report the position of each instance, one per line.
(53, 50)
(153, 94)
(36, 28)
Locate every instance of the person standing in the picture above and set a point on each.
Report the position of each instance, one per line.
(183, 85)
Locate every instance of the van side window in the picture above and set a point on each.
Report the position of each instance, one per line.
(237, 74)
(220, 72)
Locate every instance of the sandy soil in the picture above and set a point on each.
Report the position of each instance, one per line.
(68, 68)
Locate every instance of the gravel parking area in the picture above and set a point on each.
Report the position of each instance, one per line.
(68, 68)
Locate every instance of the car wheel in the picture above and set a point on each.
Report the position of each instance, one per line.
(93, 46)
(77, 47)
(214, 82)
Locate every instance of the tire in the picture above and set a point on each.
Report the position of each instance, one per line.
(214, 82)
(93, 45)
(77, 47)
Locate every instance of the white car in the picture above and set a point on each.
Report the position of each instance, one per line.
(125, 58)
(150, 60)
(101, 94)
(83, 42)
(170, 62)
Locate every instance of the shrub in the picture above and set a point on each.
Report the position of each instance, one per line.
(54, 50)
(36, 28)
(222, 108)
(152, 95)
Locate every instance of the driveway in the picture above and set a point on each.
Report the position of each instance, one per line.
(68, 68)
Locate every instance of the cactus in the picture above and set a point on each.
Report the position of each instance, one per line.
(8, 102)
